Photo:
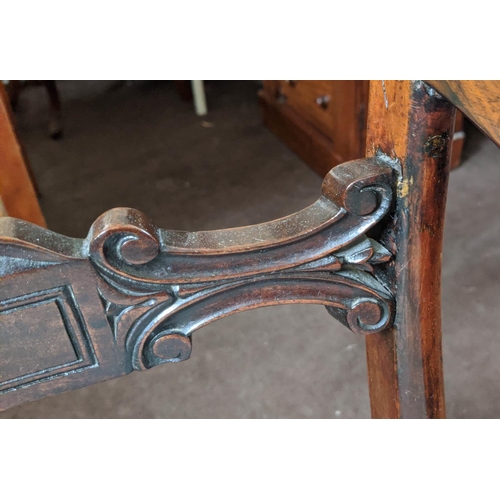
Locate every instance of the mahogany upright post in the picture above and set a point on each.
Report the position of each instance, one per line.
(412, 125)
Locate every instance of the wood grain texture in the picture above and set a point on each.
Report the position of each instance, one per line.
(323, 121)
(412, 125)
(299, 135)
(478, 99)
(16, 188)
(130, 296)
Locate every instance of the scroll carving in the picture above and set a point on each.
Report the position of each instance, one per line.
(319, 255)
(156, 287)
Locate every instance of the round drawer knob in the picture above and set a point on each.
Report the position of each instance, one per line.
(323, 101)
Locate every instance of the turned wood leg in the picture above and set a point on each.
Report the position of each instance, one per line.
(412, 125)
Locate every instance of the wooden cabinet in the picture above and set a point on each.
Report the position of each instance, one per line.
(323, 121)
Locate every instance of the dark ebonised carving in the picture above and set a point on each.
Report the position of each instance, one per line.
(150, 289)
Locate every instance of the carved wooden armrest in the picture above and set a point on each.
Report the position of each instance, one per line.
(128, 297)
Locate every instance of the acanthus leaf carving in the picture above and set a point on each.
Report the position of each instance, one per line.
(156, 287)
(152, 288)
(319, 255)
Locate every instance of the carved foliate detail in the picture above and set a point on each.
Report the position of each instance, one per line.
(320, 255)
(155, 287)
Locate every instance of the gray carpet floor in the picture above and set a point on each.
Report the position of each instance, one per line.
(139, 145)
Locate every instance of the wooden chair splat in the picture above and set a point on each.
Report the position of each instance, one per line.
(129, 297)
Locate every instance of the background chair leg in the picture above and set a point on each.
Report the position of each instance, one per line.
(200, 102)
(18, 193)
(411, 123)
(55, 126)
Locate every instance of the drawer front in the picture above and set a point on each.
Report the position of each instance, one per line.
(313, 100)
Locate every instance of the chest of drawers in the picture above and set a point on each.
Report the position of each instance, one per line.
(324, 121)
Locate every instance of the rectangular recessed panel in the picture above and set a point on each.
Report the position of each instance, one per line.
(34, 338)
(41, 335)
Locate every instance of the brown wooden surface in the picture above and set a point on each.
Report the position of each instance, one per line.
(323, 121)
(299, 135)
(74, 312)
(16, 189)
(413, 125)
(478, 99)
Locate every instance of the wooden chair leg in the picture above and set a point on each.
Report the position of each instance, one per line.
(413, 125)
(55, 127)
(200, 101)
(130, 296)
(17, 183)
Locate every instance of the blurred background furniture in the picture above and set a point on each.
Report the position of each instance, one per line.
(15, 88)
(200, 102)
(324, 121)
(18, 197)
(193, 90)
